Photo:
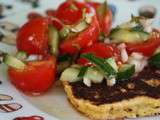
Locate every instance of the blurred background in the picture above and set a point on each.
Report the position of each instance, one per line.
(17, 10)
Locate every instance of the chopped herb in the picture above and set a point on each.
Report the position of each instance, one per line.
(126, 71)
(138, 28)
(73, 7)
(101, 64)
(155, 60)
(82, 71)
(64, 57)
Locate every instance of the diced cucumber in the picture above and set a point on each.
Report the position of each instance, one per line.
(127, 36)
(53, 40)
(94, 75)
(21, 55)
(155, 60)
(13, 62)
(125, 72)
(112, 62)
(79, 27)
(76, 66)
(64, 32)
(70, 75)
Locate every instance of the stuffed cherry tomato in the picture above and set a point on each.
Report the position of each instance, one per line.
(35, 76)
(101, 50)
(85, 38)
(32, 36)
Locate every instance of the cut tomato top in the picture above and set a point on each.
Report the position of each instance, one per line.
(71, 12)
(33, 36)
(83, 39)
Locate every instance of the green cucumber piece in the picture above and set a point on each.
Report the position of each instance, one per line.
(101, 64)
(94, 75)
(155, 60)
(125, 72)
(79, 27)
(128, 36)
(112, 62)
(70, 75)
(64, 32)
(21, 55)
(53, 40)
(13, 62)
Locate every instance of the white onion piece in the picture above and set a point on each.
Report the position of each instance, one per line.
(111, 81)
(123, 51)
(87, 82)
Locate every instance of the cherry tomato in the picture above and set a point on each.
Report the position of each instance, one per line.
(32, 36)
(36, 77)
(101, 50)
(84, 39)
(70, 12)
(147, 48)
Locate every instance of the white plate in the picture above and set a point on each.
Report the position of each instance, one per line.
(53, 105)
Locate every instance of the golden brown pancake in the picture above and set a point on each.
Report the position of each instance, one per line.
(137, 97)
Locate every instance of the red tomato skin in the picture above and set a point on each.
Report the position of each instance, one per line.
(70, 16)
(101, 50)
(106, 22)
(84, 39)
(147, 48)
(37, 77)
(32, 36)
